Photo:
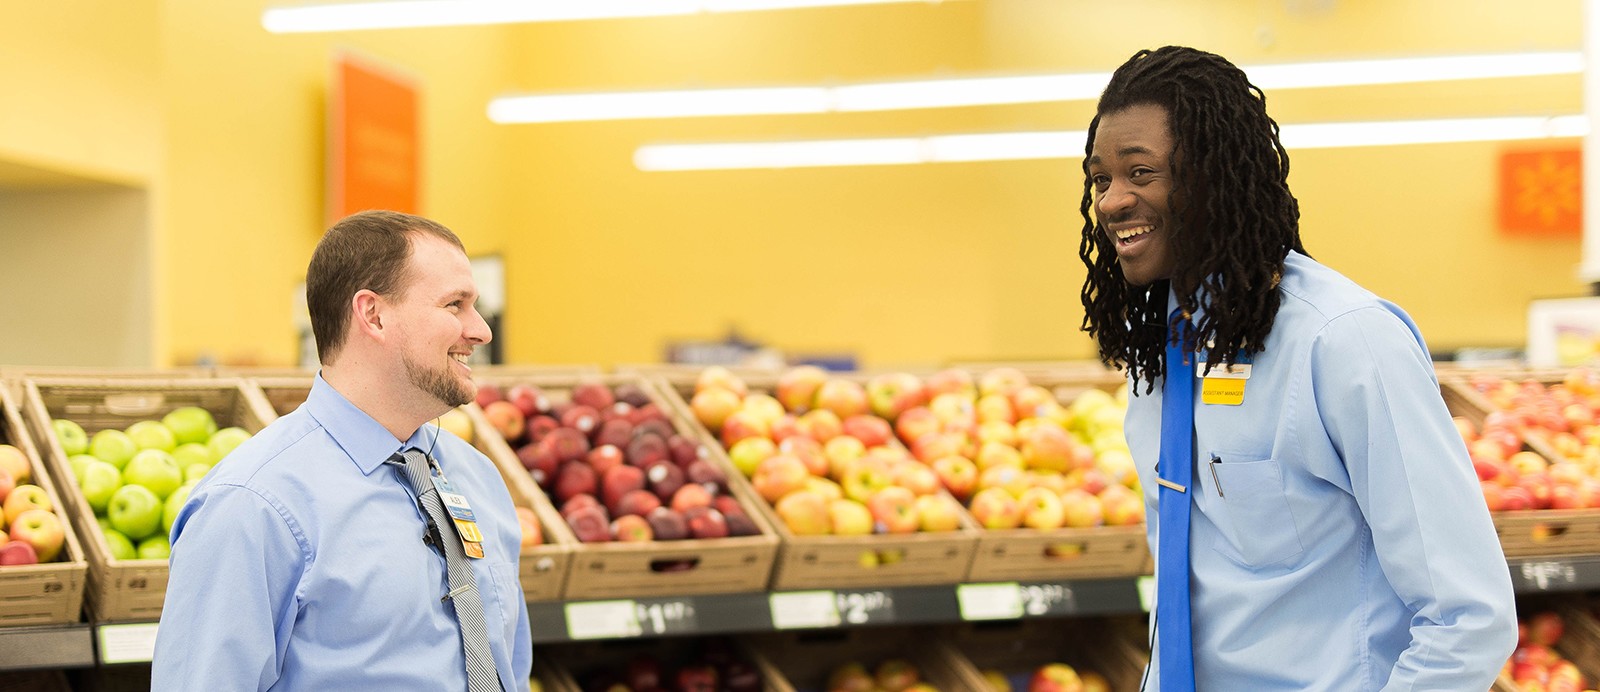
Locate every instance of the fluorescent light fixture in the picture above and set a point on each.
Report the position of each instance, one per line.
(399, 14)
(988, 91)
(1014, 146)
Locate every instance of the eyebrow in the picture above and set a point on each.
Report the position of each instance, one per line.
(459, 294)
(1125, 151)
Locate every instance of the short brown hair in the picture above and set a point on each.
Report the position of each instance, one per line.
(367, 250)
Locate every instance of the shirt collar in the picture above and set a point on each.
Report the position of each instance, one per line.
(362, 438)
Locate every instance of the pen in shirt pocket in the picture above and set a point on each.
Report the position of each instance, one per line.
(1214, 478)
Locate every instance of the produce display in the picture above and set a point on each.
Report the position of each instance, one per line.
(890, 675)
(614, 464)
(871, 457)
(712, 665)
(1535, 666)
(1050, 677)
(1558, 417)
(30, 530)
(135, 480)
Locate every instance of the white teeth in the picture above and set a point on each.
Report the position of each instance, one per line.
(460, 358)
(1134, 232)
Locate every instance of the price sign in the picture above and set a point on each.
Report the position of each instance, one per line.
(665, 616)
(1048, 599)
(1001, 601)
(863, 607)
(1544, 576)
(603, 620)
(1147, 592)
(127, 643)
(804, 609)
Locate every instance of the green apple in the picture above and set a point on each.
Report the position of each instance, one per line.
(225, 440)
(135, 511)
(121, 547)
(149, 434)
(105, 525)
(98, 482)
(190, 424)
(195, 472)
(78, 462)
(71, 436)
(156, 547)
(193, 453)
(113, 447)
(174, 503)
(154, 469)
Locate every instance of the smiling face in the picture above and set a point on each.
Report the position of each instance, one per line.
(1131, 172)
(438, 321)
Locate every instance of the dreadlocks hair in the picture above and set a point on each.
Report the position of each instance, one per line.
(1230, 241)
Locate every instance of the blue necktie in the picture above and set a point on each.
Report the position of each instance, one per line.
(1172, 566)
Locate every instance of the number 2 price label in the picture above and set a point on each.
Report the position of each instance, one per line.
(862, 607)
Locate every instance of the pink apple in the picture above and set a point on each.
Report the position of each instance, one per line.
(719, 377)
(995, 508)
(951, 381)
(917, 477)
(914, 423)
(506, 419)
(797, 387)
(1005, 381)
(778, 476)
(41, 529)
(894, 509)
(845, 398)
(17, 553)
(804, 513)
(713, 406)
(958, 474)
(1082, 509)
(821, 425)
(871, 430)
(938, 513)
(892, 394)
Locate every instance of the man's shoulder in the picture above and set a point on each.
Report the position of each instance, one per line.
(268, 450)
(1316, 294)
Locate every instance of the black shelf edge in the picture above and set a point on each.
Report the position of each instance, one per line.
(47, 646)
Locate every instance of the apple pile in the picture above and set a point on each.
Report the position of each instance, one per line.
(1050, 677)
(136, 480)
(1535, 665)
(891, 675)
(614, 464)
(715, 666)
(30, 531)
(816, 452)
(1563, 417)
(459, 423)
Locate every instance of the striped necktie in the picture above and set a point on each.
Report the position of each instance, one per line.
(481, 673)
(1174, 473)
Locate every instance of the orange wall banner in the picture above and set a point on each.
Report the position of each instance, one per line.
(1541, 192)
(374, 156)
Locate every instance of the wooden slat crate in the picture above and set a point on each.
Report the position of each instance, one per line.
(804, 660)
(806, 562)
(578, 662)
(542, 569)
(1112, 647)
(50, 593)
(124, 590)
(1528, 533)
(616, 569)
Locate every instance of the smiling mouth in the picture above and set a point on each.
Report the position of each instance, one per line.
(1126, 236)
(462, 359)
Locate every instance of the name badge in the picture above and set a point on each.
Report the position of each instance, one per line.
(461, 515)
(1224, 384)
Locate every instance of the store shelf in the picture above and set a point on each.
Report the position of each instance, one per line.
(47, 646)
(828, 608)
(1556, 574)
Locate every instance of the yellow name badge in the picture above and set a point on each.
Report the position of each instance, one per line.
(1224, 386)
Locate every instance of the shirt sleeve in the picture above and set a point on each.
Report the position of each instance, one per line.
(236, 563)
(1410, 474)
(522, 646)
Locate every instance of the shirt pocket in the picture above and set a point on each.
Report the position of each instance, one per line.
(508, 592)
(1257, 528)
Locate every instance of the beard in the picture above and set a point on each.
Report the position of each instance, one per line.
(440, 383)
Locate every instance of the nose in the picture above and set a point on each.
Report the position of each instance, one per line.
(476, 329)
(1116, 199)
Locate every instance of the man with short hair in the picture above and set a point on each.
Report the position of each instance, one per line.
(1316, 521)
(348, 545)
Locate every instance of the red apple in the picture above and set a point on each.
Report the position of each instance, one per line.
(620, 480)
(808, 451)
(1055, 677)
(604, 458)
(646, 449)
(871, 430)
(41, 529)
(995, 508)
(17, 553)
(690, 495)
(892, 394)
(532, 531)
(845, 398)
(667, 525)
(616, 432)
(665, 480)
(797, 387)
(894, 509)
(1544, 628)
(506, 419)
(821, 425)
(705, 522)
(958, 474)
(952, 381)
(589, 525)
(897, 674)
(631, 528)
(639, 502)
(779, 475)
(595, 395)
(575, 479)
(487, 394)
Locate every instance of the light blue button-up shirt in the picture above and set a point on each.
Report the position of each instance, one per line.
(298, 564)
(1340, 542)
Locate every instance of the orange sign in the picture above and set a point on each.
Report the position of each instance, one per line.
(374, 156)
(1541, 192)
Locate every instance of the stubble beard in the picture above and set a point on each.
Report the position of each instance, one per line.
(440, 384)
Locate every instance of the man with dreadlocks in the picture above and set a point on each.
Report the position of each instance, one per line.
(1324, 529)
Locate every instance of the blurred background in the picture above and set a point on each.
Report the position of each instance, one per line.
(166, 167)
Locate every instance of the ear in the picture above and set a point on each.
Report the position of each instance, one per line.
(366, 314)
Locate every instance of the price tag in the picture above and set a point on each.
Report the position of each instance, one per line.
(127, 643)
(603, 620)
(862, 607)
(1544, 576)
(1147, 592)
(1048, 599)
(665, 616)
(1002, 601)
(804, 609)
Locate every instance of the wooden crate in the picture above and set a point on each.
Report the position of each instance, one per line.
(616, 570)
(124, 590)
(1112, 647)
(806, 562)
(582, 660)
(803, 660)
(542, 569)
(50, 593)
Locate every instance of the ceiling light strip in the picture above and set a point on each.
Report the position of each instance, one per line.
(402, 14)
(988, 91)
(1014, 146)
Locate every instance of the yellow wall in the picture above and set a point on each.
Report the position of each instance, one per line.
(223, 124)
